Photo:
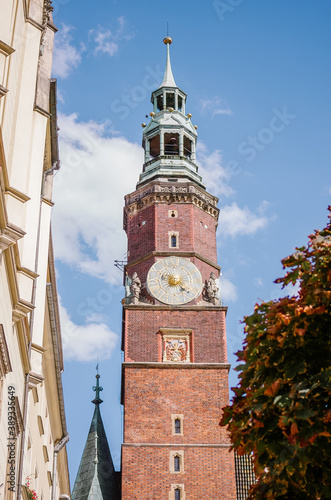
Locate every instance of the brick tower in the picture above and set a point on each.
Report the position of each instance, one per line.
(175, 370)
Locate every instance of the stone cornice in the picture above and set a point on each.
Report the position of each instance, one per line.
(188, 366)
(3, 91)
(177, 445)
(173, 252)
(41, 111)
(9, 235)
(15, 193)
(34, 23)
(5, 49)
(166, 192)
(35, 379)
(160, 307)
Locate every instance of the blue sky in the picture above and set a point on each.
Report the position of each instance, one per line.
(257, 74)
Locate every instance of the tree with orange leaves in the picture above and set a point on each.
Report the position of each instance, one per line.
(280, 413)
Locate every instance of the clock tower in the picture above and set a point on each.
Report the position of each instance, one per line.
(175, 370)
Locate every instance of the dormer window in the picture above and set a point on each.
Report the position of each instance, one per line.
(170, 100)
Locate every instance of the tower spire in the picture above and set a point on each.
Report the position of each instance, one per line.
(168, 79)
(96, 477)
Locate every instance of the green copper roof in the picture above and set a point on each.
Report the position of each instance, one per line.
(96, 477)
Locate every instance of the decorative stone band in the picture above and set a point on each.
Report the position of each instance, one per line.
(176, 445)
(165, 193)
(186, 366)
(202, 306)
(179, 254)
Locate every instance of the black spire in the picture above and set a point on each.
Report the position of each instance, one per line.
(96, 478)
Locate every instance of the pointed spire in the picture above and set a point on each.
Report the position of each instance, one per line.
(96, 478)
(168, 79)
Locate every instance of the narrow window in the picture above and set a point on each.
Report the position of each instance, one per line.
(173, 240)
(187, 147)
(180, 103)
(170, 100)
(154, 146)
(177, 494)
(159, 102)
(177, 426)
(176, 464)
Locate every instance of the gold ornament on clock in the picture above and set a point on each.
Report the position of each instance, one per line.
(174, 280)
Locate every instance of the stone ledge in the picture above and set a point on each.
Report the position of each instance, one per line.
(176, 445)
(155, 364)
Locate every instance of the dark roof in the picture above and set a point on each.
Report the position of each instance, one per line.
(96, 478)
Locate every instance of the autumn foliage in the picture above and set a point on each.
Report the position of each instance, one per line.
(281, 409)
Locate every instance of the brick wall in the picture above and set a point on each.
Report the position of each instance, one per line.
(148, 230)
(208, 473)
(142, 340)
(151, 395)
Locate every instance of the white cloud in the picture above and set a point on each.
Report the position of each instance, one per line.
(236, 221)
(228, 291)
(258, 282)
(86, 342)
(106, 41)
(96, 172)
(66, 56)
(214, 175)
(214, 106)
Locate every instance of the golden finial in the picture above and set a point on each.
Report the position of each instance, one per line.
(167, 40)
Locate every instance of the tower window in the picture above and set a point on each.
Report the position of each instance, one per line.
(177, 424)
(187, 147)
(154, 146)
(180, 103)
(171, 144)
(170, 100)
(176, 463)
(159, 102)
(173, 238)
(177, 494)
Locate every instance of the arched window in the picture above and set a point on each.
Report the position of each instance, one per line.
(176, 463)
(177, 494)
(177, 426)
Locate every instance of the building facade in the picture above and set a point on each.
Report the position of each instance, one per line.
(175, 370)
(33, 429)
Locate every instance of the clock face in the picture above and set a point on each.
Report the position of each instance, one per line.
(174, 280)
